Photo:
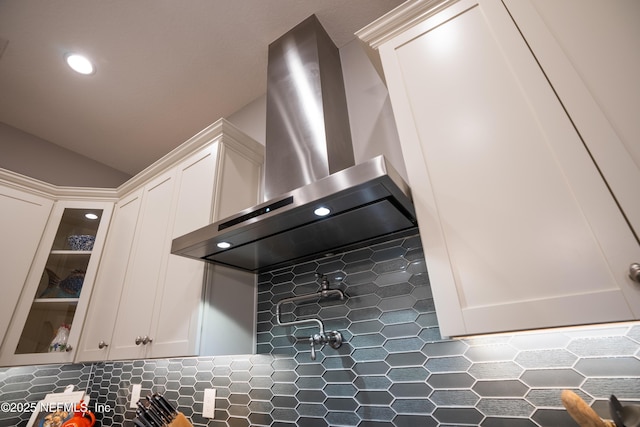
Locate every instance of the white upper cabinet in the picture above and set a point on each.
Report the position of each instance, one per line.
(24, 216)
(519, 228)
(145, 270)
(101, 318)
(151, 302)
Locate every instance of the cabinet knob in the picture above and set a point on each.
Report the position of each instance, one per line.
(102, 345)
(634, 272)
(143, 340)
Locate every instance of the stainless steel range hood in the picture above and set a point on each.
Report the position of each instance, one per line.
(366, 201)
(309, 164)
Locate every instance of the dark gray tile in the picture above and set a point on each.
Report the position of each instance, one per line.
(406, 359)
(311, 396)
(367, 340)
(505, 407)
(340, 390)
(365, 301)
(447, 364)
(400, 330)
(458, 416)
(372, 382)
(395, 345)
(507, 422)
(369, 354)
(310, 383)
(415, 390)
(339, 376)
(337, 418)
(454, 398)
(553, 417)
(413, 406)
(311, 410)
(513, 388)
(608, 366)
(603, 346)
(393, 288)
(553, 358)
(552, 378)
(451, 380)
(371, 368)
(371, 313)
(374, 415)
(341, 404)
(397, 303)
(495, 370)
(602, 388)
(365, 327)
(445, 348)
(493, 353)
(407, 374)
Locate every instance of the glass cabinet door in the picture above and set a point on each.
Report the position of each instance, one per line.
(51, 315)
(48, 320)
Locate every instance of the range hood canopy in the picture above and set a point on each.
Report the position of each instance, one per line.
(366, 201)
(308, 165)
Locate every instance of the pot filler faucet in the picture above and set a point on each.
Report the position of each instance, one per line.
(333, 338)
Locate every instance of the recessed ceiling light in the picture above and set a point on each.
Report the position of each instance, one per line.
(80, 64)
(224, 245)
(91, 216)
(322, 211)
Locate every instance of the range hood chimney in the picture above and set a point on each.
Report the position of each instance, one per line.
(309, 164)
(308, 134)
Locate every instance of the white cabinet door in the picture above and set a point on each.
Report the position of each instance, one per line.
(147, 264)
(24, 217)
(176, 318)
(590, 51)
(519, 230)
(101, 317)
(59, 285)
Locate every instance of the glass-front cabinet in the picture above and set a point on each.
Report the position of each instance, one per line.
(48, 320)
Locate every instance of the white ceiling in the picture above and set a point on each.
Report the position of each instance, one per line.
(165, 68)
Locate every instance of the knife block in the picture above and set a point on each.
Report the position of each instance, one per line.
(180, 421)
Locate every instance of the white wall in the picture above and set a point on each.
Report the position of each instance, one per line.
(53, 164)
(373, 128)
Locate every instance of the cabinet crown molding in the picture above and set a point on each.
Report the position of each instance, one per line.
(221, 130)
(399, 20)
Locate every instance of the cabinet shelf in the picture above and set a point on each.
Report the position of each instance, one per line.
(69, 252)
(55, 301)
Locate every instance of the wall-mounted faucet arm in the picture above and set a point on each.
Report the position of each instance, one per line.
(333, 338)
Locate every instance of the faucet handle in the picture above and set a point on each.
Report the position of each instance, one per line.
(313, 347)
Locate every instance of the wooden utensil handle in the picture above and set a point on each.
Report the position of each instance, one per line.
(580, 411)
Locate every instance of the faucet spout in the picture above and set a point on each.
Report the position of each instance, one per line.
(333, 338)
